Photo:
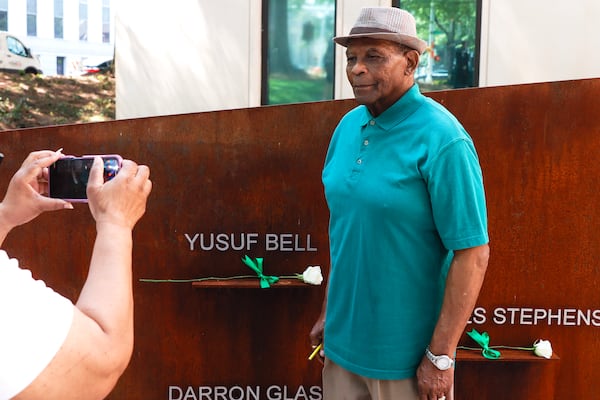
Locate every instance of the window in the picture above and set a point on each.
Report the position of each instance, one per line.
(452, 29)
(60, 65)
(58, 19)
(31, 17)
(83, 20)
(15, 46)
(298, 51)
(105, 21)
(3, 15)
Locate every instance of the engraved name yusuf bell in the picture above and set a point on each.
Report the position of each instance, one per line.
(247, 241)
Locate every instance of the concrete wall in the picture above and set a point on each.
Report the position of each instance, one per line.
(210, 59)
(539, 41)
(195, 56)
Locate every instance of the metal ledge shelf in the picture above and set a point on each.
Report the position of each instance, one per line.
(249, 283)
(506, 355)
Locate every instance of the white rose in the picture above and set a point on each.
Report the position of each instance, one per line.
(312, 275)
(542, 348)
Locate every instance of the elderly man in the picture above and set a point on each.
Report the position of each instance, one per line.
(408, 226)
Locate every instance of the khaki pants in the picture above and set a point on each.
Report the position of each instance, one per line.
(340, 384)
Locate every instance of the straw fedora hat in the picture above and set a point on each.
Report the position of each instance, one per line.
(387, 23)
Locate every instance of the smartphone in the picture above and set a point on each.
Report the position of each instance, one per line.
(68, 176)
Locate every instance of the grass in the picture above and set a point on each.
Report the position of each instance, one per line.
(28, 101)
(285, 91)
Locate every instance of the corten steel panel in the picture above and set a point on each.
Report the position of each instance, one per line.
(258, 171)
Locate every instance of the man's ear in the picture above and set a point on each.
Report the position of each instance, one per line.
(412, 61)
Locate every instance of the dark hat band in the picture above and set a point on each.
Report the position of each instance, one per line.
(363, 29)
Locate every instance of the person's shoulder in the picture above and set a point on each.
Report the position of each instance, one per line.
(353, 118)
(440, 126)
(357, 112)
(438, 115)
(437, 108)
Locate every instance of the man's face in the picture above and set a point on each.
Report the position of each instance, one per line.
(380, 72)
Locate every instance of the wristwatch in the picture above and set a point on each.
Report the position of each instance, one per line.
(442, 362)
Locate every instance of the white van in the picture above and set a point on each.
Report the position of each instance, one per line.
(15, 56)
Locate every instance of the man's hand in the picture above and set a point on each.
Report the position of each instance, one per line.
(316, 336)
(434, 384)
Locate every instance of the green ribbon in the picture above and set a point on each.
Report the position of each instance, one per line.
(483, 339)
(257, 266)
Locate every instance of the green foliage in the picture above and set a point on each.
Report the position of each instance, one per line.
(452, 28)
(453, 21)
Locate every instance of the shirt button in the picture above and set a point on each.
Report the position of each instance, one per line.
(366, 142)
(359, 161)
(371, 122)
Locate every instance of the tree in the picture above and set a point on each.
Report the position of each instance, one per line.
(279, 50)
(454, 25)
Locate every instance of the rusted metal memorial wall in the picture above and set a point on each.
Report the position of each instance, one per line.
(247, 182)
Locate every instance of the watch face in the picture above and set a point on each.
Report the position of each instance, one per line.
(443, 362)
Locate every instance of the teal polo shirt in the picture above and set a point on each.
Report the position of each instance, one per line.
(404, 190)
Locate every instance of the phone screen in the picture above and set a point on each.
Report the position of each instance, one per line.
(68, 176)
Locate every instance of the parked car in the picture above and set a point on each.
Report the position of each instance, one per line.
(15, 56)
(102, 67)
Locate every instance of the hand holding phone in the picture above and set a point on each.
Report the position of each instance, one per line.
(68, 176)
(122, 201)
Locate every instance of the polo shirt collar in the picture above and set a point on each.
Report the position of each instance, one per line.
(400, 110)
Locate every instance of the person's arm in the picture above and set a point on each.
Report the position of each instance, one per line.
(463, 284)
(100, 341)
(24, 198)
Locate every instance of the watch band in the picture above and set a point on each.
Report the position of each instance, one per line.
(441, 362)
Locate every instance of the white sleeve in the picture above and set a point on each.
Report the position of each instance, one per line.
(34, 323)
